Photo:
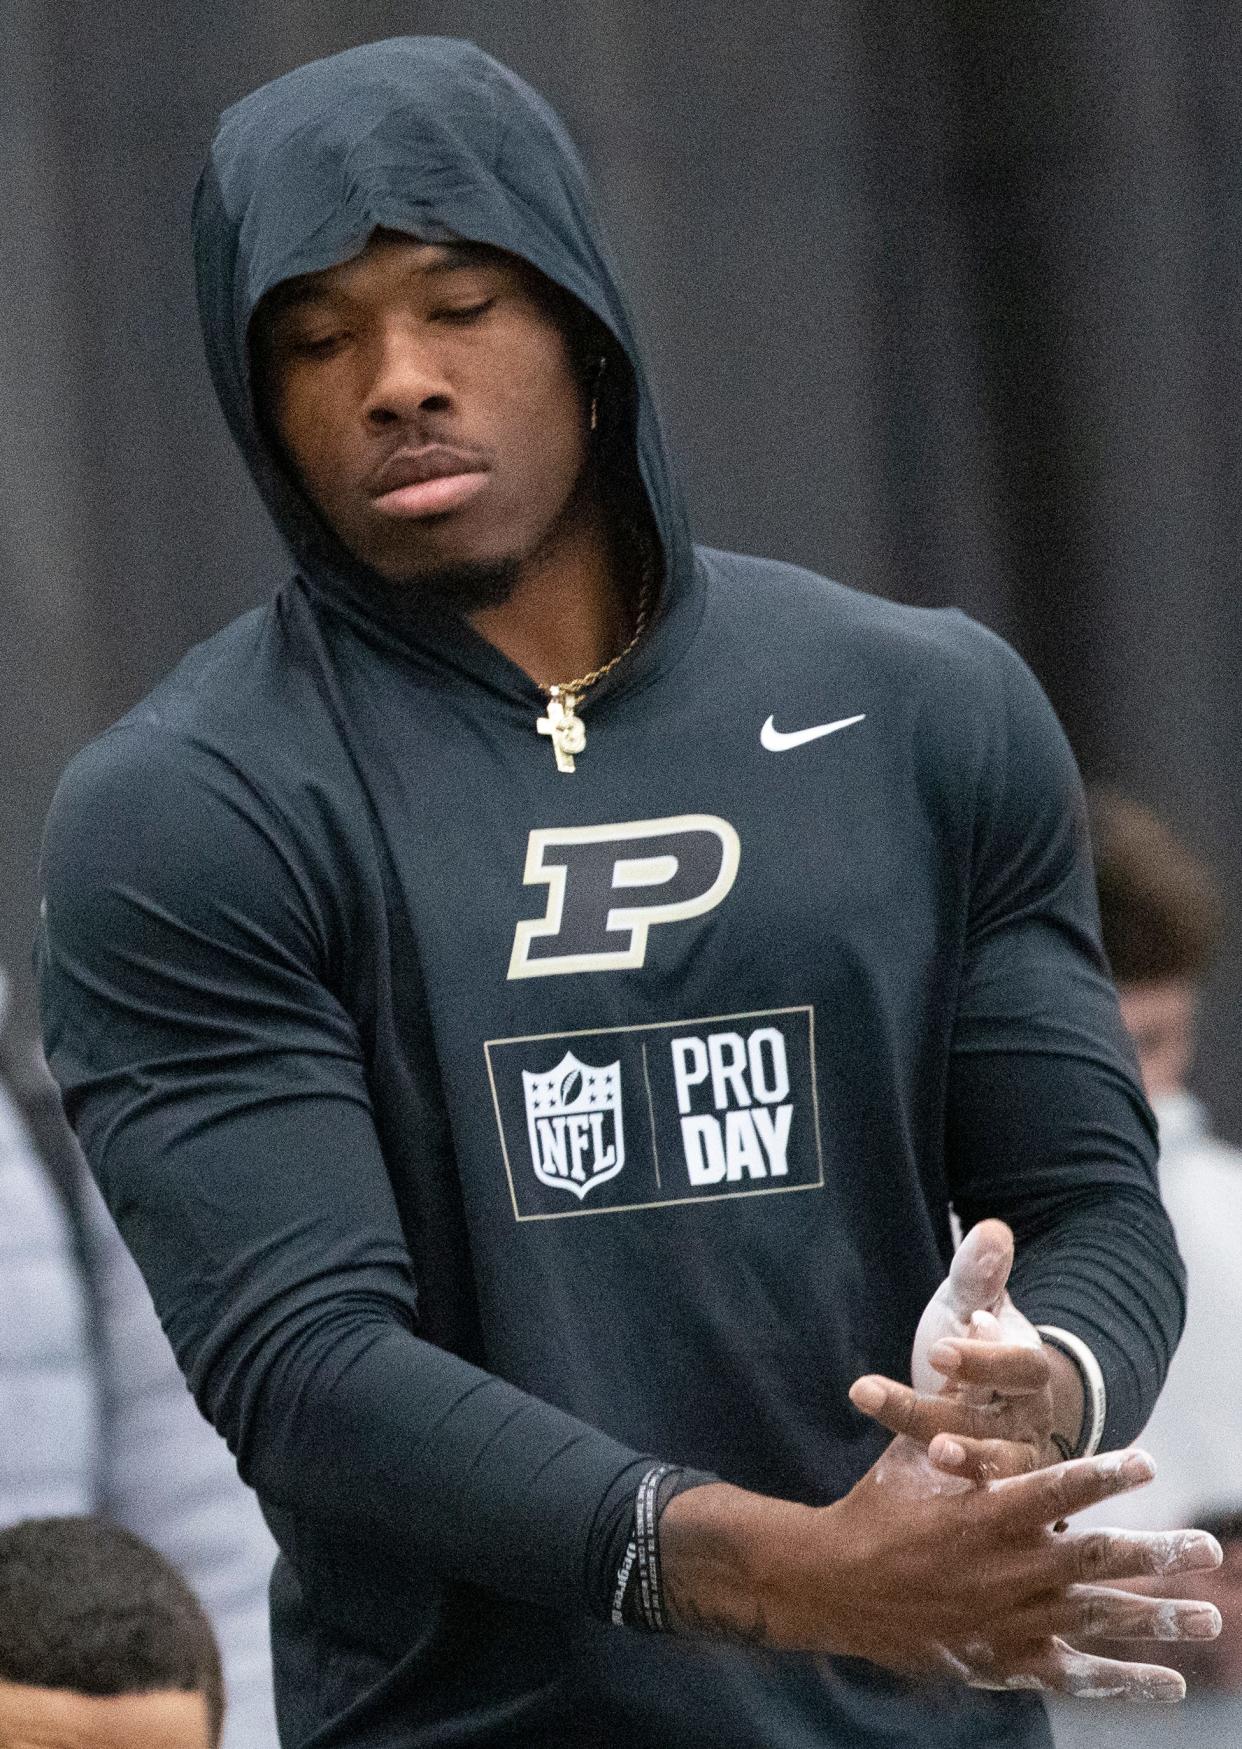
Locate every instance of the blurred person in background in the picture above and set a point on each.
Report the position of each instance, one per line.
(1162, 918)
(94, 1413)
(1215, 1667)
(803, 877)
(102, 1643)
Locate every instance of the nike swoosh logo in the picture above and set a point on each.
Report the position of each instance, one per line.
(776, 742)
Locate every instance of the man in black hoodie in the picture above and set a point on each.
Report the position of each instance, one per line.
(533, 993)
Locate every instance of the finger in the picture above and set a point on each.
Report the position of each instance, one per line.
(983, 1460)
(1067, 1671)
(987, 1327)
(1056, 1667)
(1005, 1367)
(980, 1269)
(950, 1428)
(923, 1418)
(1085, 1556)
(1088, 1678)
(903, 1410)
(1063, 1489)
(1098, 1612)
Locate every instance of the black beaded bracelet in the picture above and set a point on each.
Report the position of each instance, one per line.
(647, 1542)
(626, 1581)
(638, 1595)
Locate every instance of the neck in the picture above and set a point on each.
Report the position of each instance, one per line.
(570, 611)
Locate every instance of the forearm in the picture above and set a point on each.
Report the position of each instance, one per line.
(344, 1417)
(1061, 1150)
(1103, 1267)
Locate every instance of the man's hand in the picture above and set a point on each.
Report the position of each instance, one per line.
(987, 1393)
(1214, 1664)
(928, 1575)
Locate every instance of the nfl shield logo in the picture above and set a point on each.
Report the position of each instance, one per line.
(573, 1117)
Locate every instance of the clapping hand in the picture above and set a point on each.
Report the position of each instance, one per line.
(952, 1555)
(935, 1576)
(1027, 1578)
(982, 1402)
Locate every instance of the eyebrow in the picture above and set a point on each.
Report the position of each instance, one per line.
(295, 294)
(454, 256)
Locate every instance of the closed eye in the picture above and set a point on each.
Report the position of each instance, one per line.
(464, 314)
(317, 345)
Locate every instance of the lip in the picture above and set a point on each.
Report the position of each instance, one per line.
(432, 497)
(427, 481)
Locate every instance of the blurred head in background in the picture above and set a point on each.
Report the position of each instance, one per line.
(1220, 1667)
(1162, 918)
(102, 1644)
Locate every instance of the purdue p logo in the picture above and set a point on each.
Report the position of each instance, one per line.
(608, 885)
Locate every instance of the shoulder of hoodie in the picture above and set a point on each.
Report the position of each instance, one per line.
(241, 696)
(964, 676)
(220, 760)
(785, 601)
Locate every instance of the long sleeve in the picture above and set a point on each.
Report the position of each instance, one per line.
(218, 1088)
(1047, 1126)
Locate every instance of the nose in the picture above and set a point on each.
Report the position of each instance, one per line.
(409, 378)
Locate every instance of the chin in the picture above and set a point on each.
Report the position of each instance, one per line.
(458, 585)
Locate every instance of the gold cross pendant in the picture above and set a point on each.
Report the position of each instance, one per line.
(568, 731)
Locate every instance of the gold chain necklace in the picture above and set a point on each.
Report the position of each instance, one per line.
(561, 721)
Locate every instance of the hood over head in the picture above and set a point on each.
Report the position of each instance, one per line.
(424, 135)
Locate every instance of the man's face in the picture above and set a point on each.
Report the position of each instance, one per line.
(1160, 1018)
(426, 396)
(57, 1718)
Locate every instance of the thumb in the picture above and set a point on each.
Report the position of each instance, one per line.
(980, 1270)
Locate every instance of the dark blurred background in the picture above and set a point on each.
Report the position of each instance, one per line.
(944, 300)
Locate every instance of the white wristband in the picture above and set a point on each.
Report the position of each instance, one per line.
(1095, 1400)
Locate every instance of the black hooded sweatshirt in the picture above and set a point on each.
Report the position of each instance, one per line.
(485, 1131)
